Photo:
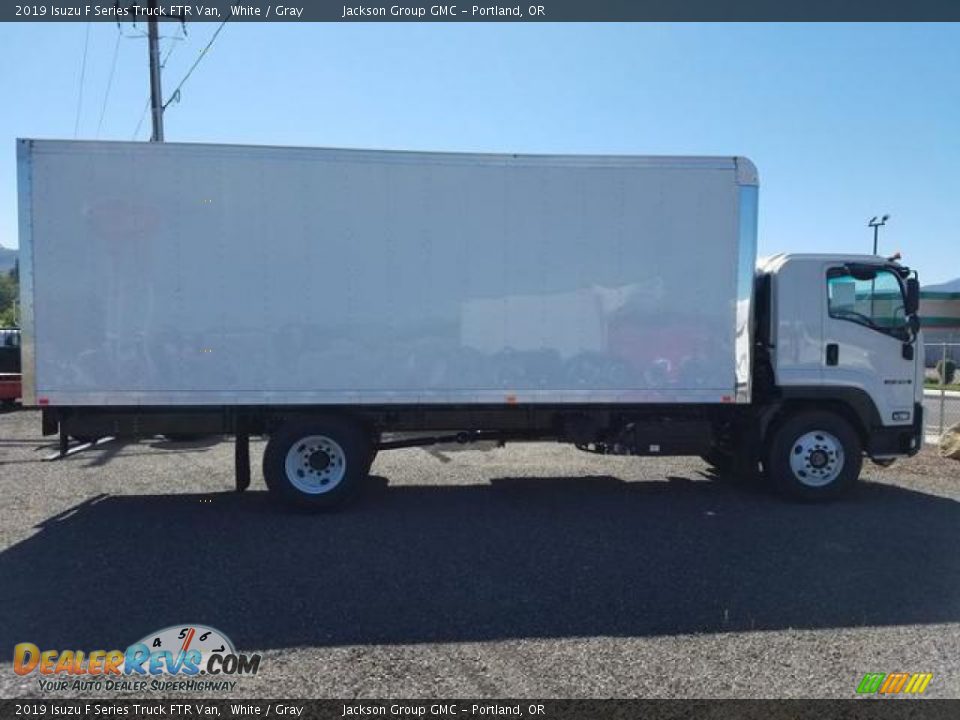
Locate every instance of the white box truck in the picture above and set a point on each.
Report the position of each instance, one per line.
(336, 300)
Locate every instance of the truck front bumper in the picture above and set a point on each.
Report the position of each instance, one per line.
(905, 440)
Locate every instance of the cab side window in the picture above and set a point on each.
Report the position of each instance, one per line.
(876, 302)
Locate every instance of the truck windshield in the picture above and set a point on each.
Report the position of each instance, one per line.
(877, 303)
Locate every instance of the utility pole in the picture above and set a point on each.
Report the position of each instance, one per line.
(156, 95)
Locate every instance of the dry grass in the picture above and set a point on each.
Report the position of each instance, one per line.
(925, 464)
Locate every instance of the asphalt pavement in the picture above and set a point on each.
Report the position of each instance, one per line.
(527, 571)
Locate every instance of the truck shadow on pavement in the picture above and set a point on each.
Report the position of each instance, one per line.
(518, 558)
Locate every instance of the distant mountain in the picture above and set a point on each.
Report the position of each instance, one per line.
(7, 258)
(953, 286)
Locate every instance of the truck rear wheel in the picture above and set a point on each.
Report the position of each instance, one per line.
(814, 455)
(316, 464)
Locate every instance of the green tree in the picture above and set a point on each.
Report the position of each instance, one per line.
(9, 293)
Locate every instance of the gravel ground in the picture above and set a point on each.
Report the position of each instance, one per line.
(527, 571)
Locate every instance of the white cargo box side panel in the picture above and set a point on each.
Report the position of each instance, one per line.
(200, 274)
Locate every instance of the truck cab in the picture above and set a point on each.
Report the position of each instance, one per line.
(840, 334)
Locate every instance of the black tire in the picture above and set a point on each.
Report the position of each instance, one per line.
(339, 462)
(814, 455)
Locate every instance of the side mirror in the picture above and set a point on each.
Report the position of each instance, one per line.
(913, 322)
(913, 296)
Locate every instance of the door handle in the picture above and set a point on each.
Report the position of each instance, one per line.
(833, 353)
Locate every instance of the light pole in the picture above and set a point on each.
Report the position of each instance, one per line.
(876, 225)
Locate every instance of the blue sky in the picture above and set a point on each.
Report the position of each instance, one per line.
(843, 120)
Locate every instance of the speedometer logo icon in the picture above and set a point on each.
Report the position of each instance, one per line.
(181, 639)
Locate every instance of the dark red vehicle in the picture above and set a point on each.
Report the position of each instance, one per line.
(9, 365)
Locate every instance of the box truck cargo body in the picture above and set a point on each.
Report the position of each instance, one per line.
(267, 275)
(607, 301)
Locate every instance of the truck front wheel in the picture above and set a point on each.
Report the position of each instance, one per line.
(814, 455)
(316, 464)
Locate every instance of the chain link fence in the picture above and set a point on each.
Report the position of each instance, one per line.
(941, 393)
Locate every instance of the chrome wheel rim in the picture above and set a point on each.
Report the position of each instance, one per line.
(315, 464)
(816, 458)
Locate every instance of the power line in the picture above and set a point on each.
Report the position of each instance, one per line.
(106, 94)
(83, 72)
(176, 93)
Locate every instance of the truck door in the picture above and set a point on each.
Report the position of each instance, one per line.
(867, 340)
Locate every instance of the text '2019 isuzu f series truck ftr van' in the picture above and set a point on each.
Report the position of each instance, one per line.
(342, 302)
